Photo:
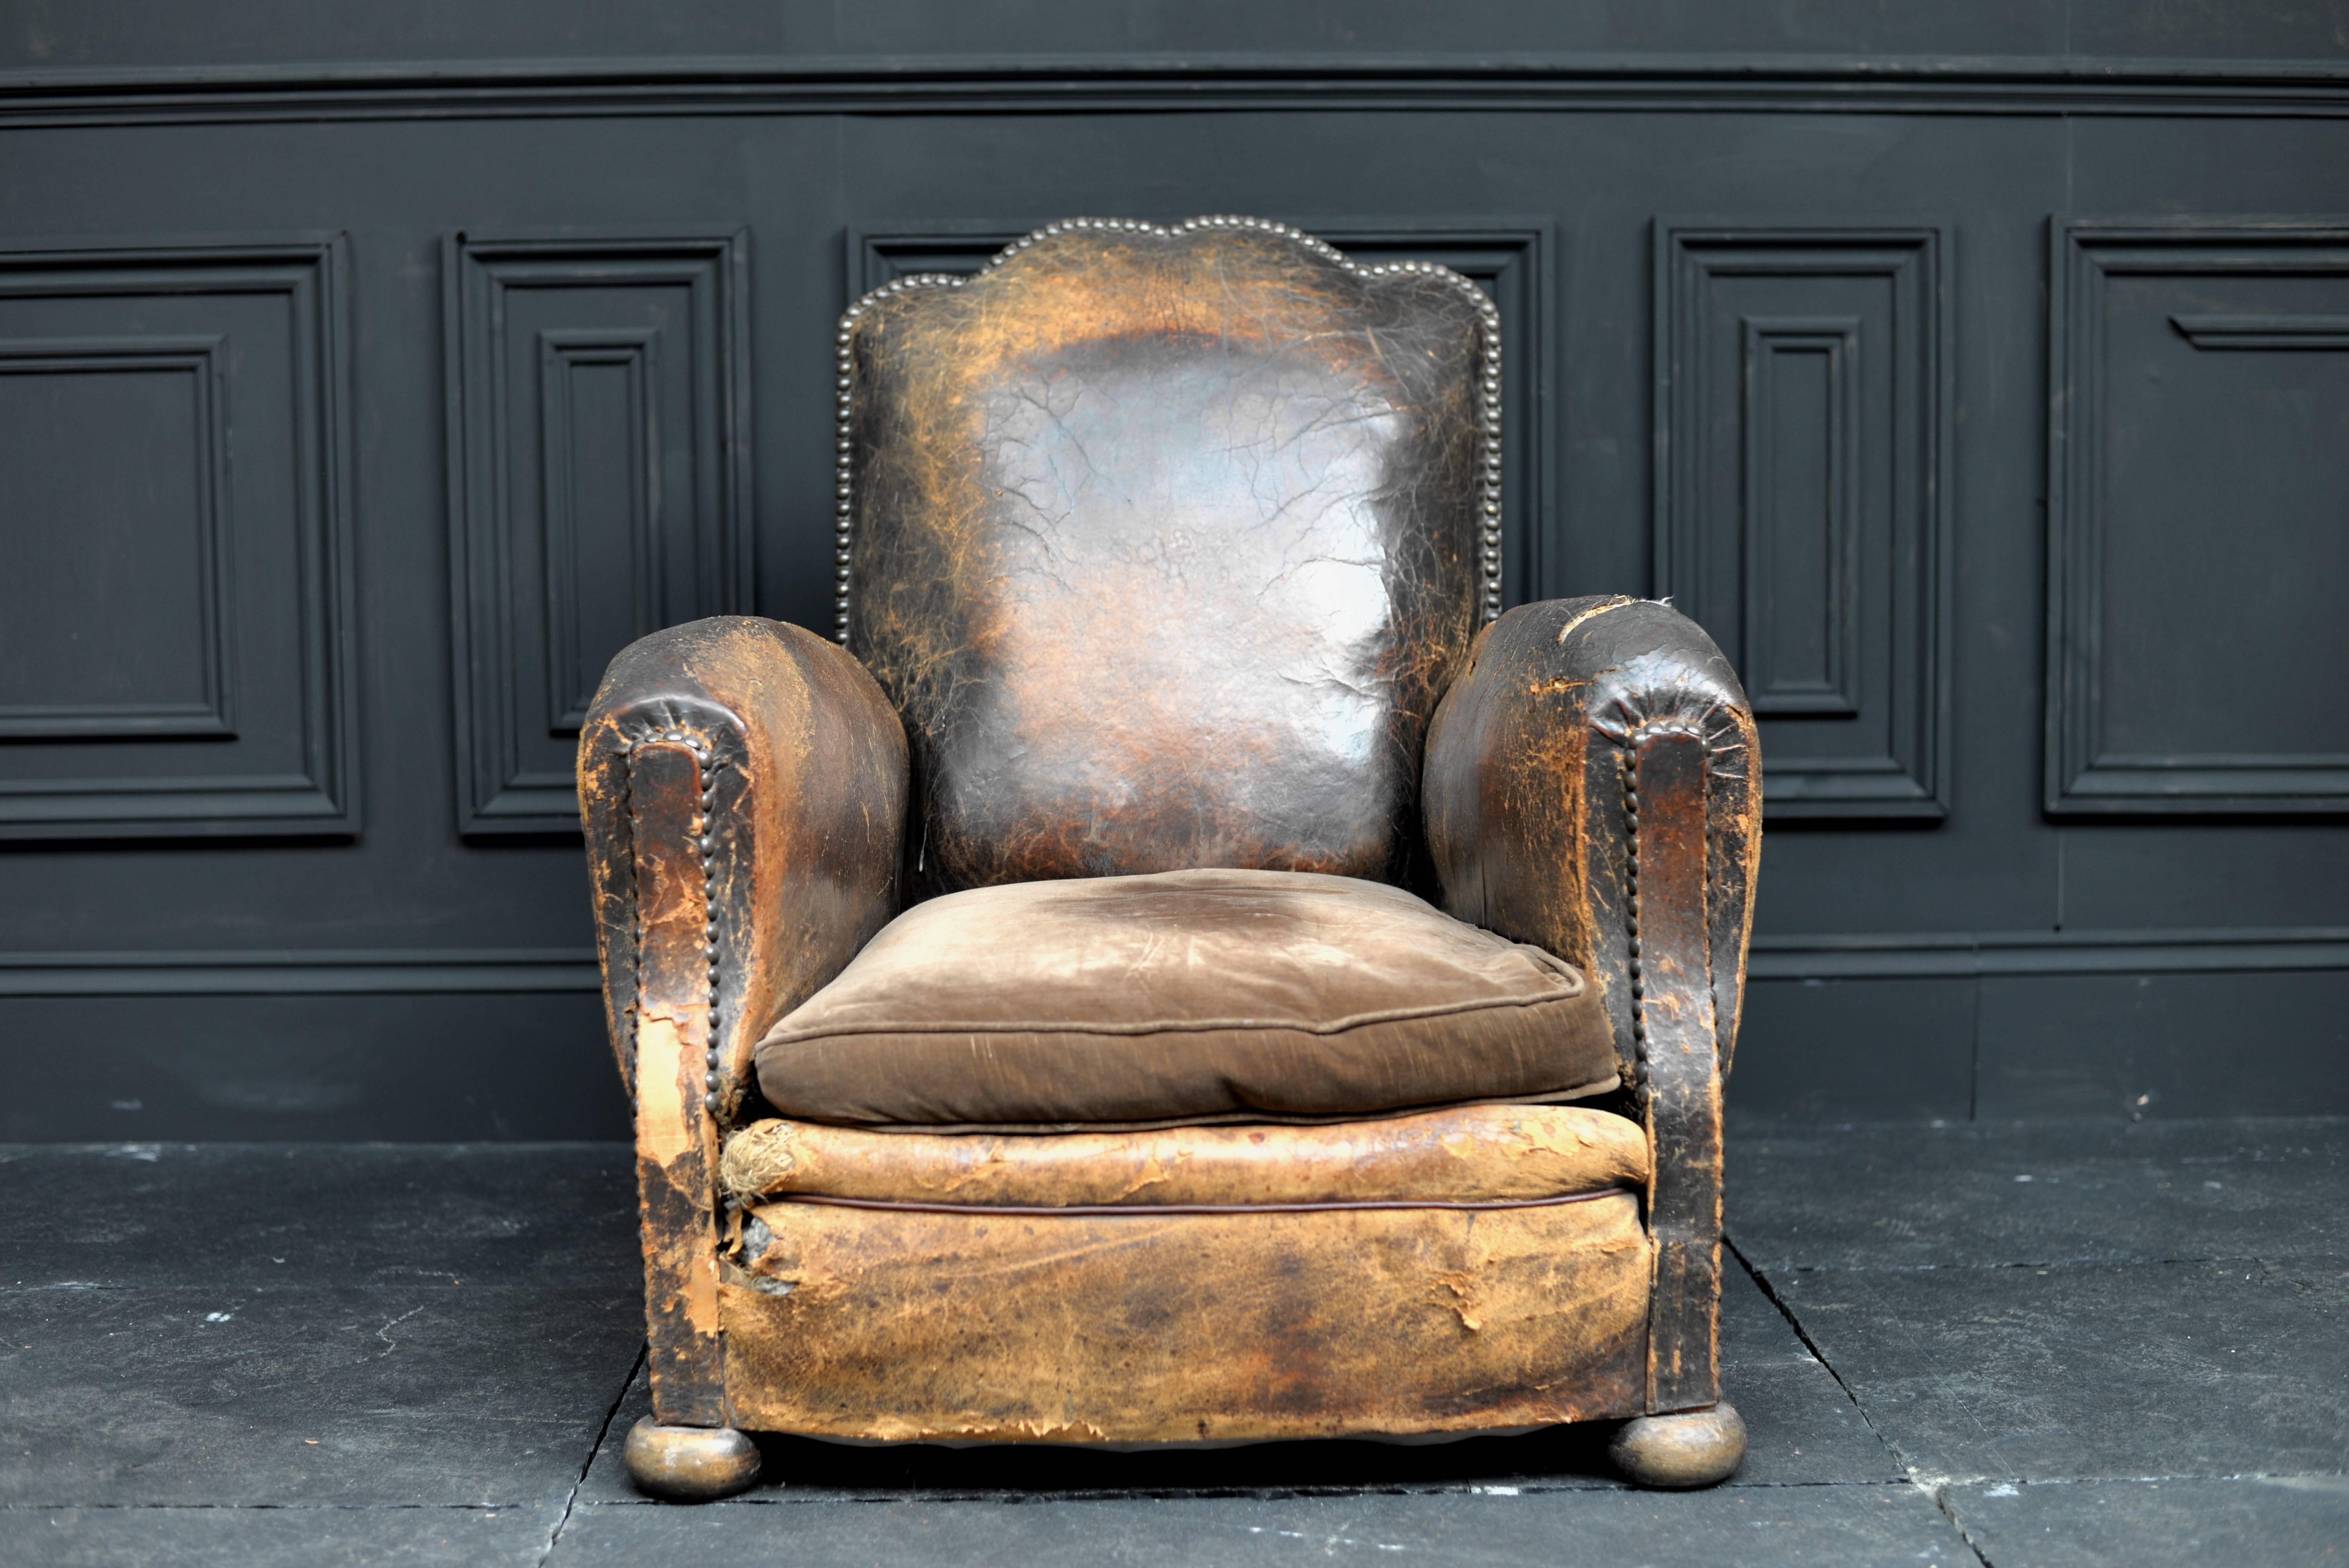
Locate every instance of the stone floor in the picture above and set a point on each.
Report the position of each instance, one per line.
(2040, 1344)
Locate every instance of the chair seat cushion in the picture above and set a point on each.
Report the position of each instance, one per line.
(1182, 998)
(1465, 1155)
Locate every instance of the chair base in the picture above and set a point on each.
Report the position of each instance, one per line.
(689, 1464)
(899, 1325)
(1690, 1449)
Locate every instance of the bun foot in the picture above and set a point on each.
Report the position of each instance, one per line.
(1691, 1448)
(690, 1464)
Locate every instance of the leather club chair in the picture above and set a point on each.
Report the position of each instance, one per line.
(1035, 1026)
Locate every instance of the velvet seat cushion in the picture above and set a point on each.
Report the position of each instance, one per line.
(1182, 998)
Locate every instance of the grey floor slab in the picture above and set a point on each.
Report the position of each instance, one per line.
(2038, 1193)
(274, 1537)
(231, 1394)
(2074, 1371)
(279, 1353)
(1845, 1524)
(1804, 1430)
(169, 1213)
(1802, 1427)
(2277, 1523)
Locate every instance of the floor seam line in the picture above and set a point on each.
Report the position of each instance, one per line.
(1775, 1300)
(1940, 1496)
(604, 1428)
(1933, 1495)
(2045, 1264)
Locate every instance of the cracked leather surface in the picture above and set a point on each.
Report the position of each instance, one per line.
(1165, 548)
(1523, 792)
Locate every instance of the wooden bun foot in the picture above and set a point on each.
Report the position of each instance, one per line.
(690, 1464)
(1693, 1448)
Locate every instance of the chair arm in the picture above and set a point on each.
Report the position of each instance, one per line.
(1593, 786)
(1523, 781)
(742, 788)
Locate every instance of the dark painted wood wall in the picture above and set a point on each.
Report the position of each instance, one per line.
(368, 374)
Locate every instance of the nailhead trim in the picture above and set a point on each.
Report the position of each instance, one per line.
(1488, 379)
(1630, 753)
(635, 909)
(705, 842)
(1629, 750)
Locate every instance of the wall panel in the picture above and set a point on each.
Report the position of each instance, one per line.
(2199, 455)
(119, 451)
(177, 658)
(1802, 450)
(357, 499)
(599, 487)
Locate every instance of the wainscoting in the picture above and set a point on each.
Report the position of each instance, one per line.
(1981, 380)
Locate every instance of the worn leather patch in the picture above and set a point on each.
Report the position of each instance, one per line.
(1181, 996)
(1165, 546)
(1464, 1155)
(1143, 1327)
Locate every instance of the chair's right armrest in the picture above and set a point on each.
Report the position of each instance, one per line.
(1593, 786)
(742, 787)
(1523, 791)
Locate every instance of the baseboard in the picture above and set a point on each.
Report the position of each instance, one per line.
(2130, 1023)
(508, 1042)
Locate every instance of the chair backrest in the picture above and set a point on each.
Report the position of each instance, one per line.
(1165, 542)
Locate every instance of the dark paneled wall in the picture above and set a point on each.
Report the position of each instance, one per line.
(1979, 375)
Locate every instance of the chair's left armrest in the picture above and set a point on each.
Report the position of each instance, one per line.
(1593, 786)
(742, 787)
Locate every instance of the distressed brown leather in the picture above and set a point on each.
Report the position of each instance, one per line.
(1178, 996)
(804, 766)
(1524, 786)
(1467, 1154)
(1143, 1327)
(1163, 551)
(1164, 547)
(1594, 784)
(742, 788)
